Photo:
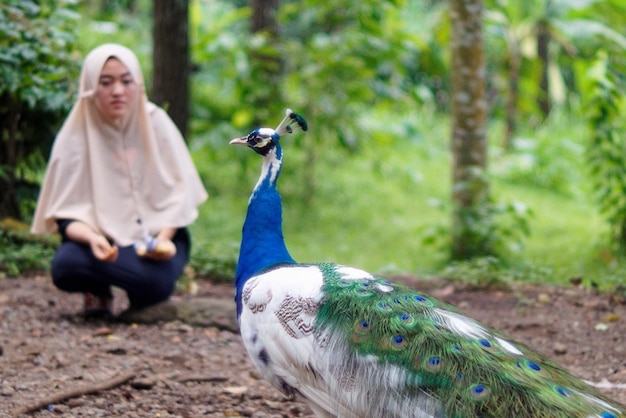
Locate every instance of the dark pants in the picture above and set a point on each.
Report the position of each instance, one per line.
(146, 281)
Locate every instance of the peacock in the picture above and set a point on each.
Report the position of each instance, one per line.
(352, 344)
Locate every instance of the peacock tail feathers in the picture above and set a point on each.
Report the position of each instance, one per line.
(472, 369)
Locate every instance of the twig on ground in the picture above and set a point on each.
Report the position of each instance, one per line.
(74, 393)
(201, 378)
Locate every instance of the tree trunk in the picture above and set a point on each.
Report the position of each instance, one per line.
(470, 189)
(543, 42)
(512, 97)
(266, 64)
(171, 63)
(263, 15)
(9, 206)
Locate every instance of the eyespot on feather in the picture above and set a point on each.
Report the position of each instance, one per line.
(434, 364)
(487, 345)
(479, 392)
(398, 342)
(562, 391)
(533, 367)
(359, 291)
(383, 306)
(418, 299)
(362, 327)
(406, 320)
(363, 288)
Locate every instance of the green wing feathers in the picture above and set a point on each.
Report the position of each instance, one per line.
(473, 370)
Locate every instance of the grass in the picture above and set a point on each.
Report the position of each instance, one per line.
(372, 209)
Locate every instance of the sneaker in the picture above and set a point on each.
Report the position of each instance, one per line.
(97, 307)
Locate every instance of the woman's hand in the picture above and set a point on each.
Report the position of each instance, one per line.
(102, 249)
(100, 246)
(165, 249)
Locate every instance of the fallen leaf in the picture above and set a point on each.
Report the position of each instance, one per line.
(273, 404)
(236, 390)
(101, 332)
(601, 327)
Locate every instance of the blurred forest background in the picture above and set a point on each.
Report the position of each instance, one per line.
(480, 140)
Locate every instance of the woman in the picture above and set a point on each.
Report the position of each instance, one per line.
(120, 188)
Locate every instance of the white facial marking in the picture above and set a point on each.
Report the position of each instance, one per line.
(266, 131)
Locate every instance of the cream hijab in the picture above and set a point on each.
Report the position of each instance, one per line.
(111, 177)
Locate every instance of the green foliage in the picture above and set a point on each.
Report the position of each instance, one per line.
(18, 259)
(606, 111)
(219, 47)
(215, 262)
(115, 21)
(22, 252)
(493, 273)
(350, 56)
(37, 45)
(368, 80)
(38, 72)
(496, 229)
(346, 64)
(575, 29)
(540, 159)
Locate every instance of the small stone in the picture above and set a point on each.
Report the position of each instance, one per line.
(273, 404)
(247, 412)
(60, 409)
(256, 375)
(463, 305)
(118, 351)
(75, 402)
(142, 383)
(559, 348)
(544, 298)
(163, 311)
(103, 332)
(7, 391)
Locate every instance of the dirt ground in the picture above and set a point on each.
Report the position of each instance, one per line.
(174, 369)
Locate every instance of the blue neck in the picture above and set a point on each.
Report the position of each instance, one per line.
(262, 242)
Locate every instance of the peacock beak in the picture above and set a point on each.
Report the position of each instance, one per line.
(239, 141)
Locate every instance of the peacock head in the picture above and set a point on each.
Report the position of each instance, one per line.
(263, 140)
